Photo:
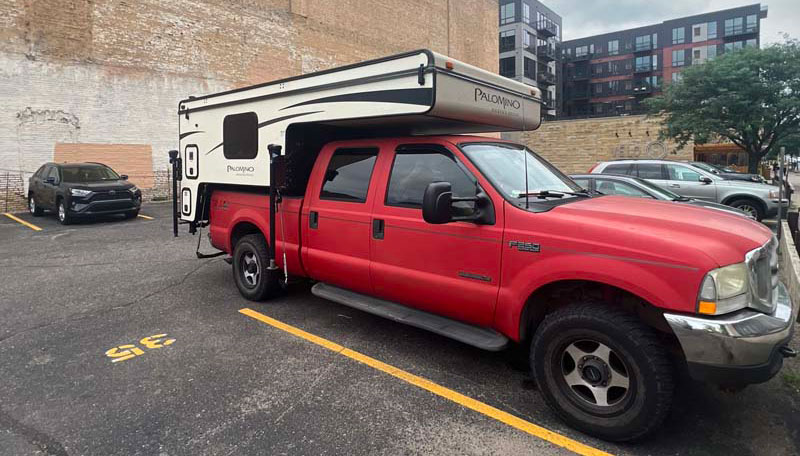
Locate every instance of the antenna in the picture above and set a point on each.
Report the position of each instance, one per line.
(525, 153)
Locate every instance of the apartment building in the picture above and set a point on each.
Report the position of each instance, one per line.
(610, 74)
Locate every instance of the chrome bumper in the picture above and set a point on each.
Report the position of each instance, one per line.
(743, 339)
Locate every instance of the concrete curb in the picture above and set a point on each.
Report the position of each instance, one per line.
(790, 263)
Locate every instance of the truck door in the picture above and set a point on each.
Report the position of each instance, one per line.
(337, 217)
(451, 269)
(49, 187)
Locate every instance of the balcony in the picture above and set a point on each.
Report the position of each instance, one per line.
(546, 53)
(577, 93)
(644, 68)
(579, 58)
(642, 88)
(739, 30)
(546, 77)
(548, 101)
(546, 28)
(644, 47)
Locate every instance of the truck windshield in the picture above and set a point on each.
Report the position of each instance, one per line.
(76, 174)
(504, 165)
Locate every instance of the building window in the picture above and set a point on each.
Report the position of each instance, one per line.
(712, 30)
(676, 77)
(697, 31)
(734, 26)
(598, 89)
(613, 47)
(526, 13)
(643, 63)
(752, 23)
(642, 42)
(678, 35)
(507, 13)
(508, 67)
(529, 68)
(628, 85)
(581, 51)
(507, 40)
(751, 43)
(696, 55)
(678, 58)
(711, 51)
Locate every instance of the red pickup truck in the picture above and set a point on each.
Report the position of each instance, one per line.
(444, 232)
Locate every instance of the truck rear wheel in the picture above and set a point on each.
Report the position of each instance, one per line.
(603, 371)
(250, 261)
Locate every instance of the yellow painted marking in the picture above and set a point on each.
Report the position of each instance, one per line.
(128, 351)
(146, 217)
(468, 402)
(17, 219)
(155, 341)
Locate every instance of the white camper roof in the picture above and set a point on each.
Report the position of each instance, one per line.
(419, 92)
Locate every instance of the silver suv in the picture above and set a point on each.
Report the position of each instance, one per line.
(759, 200)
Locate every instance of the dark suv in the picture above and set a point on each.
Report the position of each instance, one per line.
(82, 189)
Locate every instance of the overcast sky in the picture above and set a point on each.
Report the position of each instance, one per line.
(591, 17)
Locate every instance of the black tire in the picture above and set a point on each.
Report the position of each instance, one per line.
(750, 206)
(265, 284)
(33, 208)
(131, 214)
(628, 413)
(62, 214)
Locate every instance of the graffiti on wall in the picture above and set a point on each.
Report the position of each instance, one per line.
(652, 149)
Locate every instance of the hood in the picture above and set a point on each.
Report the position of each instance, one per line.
(716, 206)
(101, 186)
(666, 231)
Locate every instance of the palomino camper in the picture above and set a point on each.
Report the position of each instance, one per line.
(223, 136)
(382, 203)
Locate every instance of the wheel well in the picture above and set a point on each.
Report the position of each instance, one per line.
(243, 229)
(558, 294)
(750, 198)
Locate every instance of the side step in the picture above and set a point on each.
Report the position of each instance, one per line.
(484, 338)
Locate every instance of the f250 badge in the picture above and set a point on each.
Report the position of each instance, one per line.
(525, 246)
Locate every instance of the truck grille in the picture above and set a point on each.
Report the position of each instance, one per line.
(108, 196)
(762, 265)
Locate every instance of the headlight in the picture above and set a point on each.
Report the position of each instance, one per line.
(133, 189)
(724, 290)
(774, 194)
(79, 192)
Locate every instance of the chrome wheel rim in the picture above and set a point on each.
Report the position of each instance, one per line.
(62, 212)
(749, 209)
(251, 270)
(31, 205)
(595, 374)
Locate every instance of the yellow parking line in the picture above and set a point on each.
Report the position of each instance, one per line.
(468, 402)
(17, 219)
(146, 217)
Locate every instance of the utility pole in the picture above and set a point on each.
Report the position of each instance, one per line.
(781, 179)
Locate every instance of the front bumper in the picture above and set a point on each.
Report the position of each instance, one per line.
(78, 208)
(772, 207)
(740, 348)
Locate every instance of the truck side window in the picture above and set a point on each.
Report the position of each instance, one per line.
(413, 170)
(682, 173)
(240, 136)
(348, 174)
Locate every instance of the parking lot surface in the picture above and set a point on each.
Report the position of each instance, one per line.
(116, 339)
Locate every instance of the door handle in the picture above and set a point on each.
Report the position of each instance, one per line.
(377, 228)
(674, 186)
(313, 219)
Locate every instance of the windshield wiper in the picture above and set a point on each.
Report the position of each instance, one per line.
(554, 194)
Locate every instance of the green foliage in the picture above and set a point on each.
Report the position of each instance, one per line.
(750, 97)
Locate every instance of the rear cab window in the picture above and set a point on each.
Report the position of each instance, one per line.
(348, 174)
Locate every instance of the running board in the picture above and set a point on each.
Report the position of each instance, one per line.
(483, 338)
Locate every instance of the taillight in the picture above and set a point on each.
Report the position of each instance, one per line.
(593, 167)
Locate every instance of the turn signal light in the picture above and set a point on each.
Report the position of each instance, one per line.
(707, 307)
(448, 65)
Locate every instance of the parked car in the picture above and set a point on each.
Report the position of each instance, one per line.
(757, 199)
(610, 184)
(727, 173)
(76, 190)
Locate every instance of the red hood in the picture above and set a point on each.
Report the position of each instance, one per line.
(665, 229)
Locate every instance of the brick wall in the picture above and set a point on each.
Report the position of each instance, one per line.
(112, 72)
(134, 160)
(574, 146)
(12, 192)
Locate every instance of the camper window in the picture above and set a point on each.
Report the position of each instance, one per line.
(348, 174)
(240, 136)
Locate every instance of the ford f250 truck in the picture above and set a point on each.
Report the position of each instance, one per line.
(377, 201)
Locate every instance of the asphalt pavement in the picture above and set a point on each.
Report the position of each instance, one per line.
(116, 339)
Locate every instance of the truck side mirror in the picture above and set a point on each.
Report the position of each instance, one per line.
(705, 180)
(124, 177)
(50, 180)
(436, 203)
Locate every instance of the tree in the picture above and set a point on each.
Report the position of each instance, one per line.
(750, 97)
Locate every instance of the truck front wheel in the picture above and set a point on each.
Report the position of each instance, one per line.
(603, 371)
(250, 261)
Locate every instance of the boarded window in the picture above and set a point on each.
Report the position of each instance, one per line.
(240, 136)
